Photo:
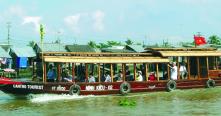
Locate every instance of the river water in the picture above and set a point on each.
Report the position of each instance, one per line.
(192, 102)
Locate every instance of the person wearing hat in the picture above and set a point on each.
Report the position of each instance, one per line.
(139, 77)
(173, 70)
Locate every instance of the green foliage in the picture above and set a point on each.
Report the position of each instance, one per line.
(31, 43)
(214, 39)
(127, 102)
(113, 43)
(42, 32)
(128, 41)
(92, 44)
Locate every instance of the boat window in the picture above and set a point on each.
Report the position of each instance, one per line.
(212, 63)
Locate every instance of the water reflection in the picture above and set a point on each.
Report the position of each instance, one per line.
(180, 102)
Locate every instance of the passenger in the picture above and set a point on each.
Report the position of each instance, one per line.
(151, 76)
(107, 77)
(183, 71)
(66, 76)
(139, 77)
(51, 74)
(119, 76)
(128, 76)
(91, 78)
(173, 71)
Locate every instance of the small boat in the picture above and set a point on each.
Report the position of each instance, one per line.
(123, 73)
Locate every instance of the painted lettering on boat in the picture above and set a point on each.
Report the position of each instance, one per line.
(58, 88)
(98, 87)
(152, 87)
(38, 87)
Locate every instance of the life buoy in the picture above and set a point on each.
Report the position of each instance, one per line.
(171, 85)
(210, 83)
(125, 88)
(75, 90)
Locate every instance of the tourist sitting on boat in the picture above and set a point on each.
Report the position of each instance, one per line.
(118, 77)
(139, 77)
(173, 71)
(152, 76)
(91, 78)
(51, 74)
(183, 71)
(107, 77)
(66, 77)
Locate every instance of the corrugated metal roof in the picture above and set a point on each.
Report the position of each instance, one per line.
(25, 51)
(105, 59)
(51, 47)
(3, 53)
(135, 48)
(80, 48)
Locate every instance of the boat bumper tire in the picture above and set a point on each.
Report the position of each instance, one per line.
(75, 90)
(171, 85)
(210, 83)
(125, 88)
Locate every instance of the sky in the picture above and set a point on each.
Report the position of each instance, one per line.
(81, 21)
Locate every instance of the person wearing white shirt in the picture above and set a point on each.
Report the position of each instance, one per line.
(183, 71)
(139, 77)
(173, 70)
(107, 78)
(91, 78)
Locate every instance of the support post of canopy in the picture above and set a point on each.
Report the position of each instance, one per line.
(99, 72)
(111, 72)
(73, 72)
(59, 72)
(86, 72)
(198, 67)
(178, 67)
(168, 72)
(188, 64)
(207, 66)
(157, 72)
(135, 70)
(123, 71)
(146, 71)
(45, 72)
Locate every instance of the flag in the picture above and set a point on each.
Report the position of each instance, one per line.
(199, 40)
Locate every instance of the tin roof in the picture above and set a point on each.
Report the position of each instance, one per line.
(51, 47)
(4, 54)
(25, 51)
(80, 48)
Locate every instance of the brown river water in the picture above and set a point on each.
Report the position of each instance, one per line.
(193, 102)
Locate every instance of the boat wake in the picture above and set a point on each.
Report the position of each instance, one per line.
(42, 98)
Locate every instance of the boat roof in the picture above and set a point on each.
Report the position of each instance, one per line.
(167, 52)
(104, 58)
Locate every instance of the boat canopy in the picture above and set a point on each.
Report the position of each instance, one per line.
(167, 52)
(189, 53)
(124, 59)
(104, 58)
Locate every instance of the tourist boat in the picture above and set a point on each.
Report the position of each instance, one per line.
(202, 70)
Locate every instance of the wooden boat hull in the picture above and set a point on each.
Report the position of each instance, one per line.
(16, 87)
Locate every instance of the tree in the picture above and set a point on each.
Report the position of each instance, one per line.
(113, 43)
(214, 39)
(92, 44)
(128, 41)
(31, 43)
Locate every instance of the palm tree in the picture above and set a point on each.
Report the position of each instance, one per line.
(214, 39)
(92, 44)
(128, 41)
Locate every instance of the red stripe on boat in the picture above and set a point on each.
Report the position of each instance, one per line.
(8, 81)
